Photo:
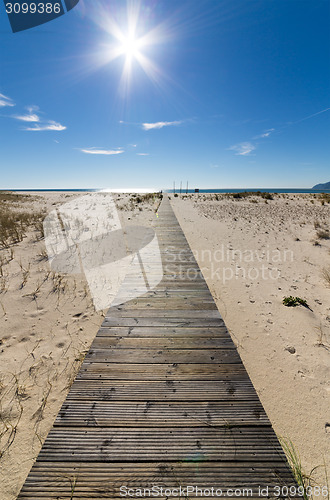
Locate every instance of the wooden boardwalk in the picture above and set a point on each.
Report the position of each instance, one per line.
(162, 399)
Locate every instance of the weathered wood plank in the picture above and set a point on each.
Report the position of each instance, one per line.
(150, 312)
(161, 331)
(169, 390)
(103, 480)
(150, 371)
(223, 342)
(163, 355)
(177, 322)
(160, 414)
(102, 444)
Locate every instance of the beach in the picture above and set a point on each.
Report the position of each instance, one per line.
(253, 251)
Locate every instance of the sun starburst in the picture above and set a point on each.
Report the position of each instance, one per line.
(129, 38)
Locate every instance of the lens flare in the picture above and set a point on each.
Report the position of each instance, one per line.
(129, 36)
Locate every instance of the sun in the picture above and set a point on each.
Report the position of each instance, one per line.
(132, 40)
(130, 47)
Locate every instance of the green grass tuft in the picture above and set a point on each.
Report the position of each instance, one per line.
(294, 301)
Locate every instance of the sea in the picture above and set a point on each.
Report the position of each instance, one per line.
(184, 191)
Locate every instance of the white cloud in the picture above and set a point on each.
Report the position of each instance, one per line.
(243, 149)
(265, 134)
(96, 151)
(6, 101)
(214, 166)
(32, 108)
(157, 125)
(142, 154)
(27, 118)
(50, 125)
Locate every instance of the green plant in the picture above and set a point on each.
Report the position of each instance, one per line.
(295, 301)
(302, 479)
(267, 196)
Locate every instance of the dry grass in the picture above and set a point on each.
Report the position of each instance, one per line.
(246, 194)
(16, 219)
(325, 198)
(326, 275)
(323, 234)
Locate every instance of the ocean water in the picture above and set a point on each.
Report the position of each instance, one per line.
(262, 190)
(183, 191)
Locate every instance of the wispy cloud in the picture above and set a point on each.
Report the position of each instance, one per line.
(243, 148)
(265, 134)
(30, 116)
(50, 125)
(158, 125)
(142, 154)
(6, 101)
(97, 151)
(32, 108)
(27, 118)
(214, 166)
(311, 116)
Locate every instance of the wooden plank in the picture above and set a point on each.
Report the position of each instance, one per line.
(163, 355)
(150, 371)
(102, 444)
(177, 322)
(161, 331)
(223, 342)
(160, 414)
(150, 312)
(169, 390)
(103, 480)
(168, 303)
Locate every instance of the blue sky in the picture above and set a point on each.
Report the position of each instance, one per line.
(224, 94)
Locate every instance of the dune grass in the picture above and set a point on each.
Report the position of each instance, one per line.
(308, 488)
(16, 219)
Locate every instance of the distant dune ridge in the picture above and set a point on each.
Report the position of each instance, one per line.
(326, 185)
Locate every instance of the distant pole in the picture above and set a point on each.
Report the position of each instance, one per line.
(180, 187)
(174, 187)
(187, 188)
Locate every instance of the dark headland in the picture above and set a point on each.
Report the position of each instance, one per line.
(326, 185)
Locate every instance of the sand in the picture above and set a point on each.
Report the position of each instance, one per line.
(47, 324)
(253, 254)
(48, 321)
